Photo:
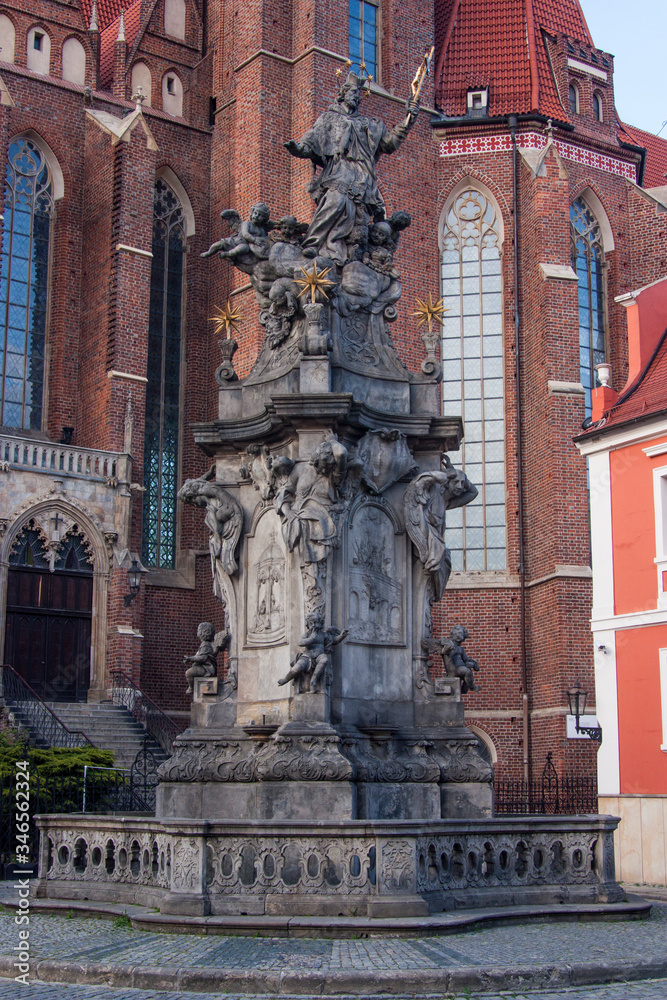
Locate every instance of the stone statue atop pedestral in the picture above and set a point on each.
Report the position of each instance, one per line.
(346, 145)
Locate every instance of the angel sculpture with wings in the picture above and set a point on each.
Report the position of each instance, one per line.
(250, 239)
(224, 520)
(205, 660)
(427, 500)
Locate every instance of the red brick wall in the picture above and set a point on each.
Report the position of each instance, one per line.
(271, 68)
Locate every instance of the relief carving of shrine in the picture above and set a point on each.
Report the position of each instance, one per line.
(266, 580)
(375, 568)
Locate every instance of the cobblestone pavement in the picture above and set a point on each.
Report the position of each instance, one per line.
(654, 989)
(84, 939)
(103, 942)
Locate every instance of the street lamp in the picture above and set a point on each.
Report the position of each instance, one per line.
(577, 699)
(134, 580)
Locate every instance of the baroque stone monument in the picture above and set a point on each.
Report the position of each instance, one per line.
(326, 510)
(330, 771)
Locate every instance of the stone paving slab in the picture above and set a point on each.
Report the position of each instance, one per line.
(524, 957)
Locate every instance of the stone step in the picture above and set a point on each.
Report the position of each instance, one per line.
(107, 726)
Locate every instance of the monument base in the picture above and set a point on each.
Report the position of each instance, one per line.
(352, 868)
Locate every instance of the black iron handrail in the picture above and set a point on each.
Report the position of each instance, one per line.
(42, 720)
(142, 708)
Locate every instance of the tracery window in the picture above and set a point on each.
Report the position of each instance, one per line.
(163, 389)
(363, 36)
(24, 284)
(588, 262)
(473, 381)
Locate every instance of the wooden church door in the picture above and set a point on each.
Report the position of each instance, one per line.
(49, 615)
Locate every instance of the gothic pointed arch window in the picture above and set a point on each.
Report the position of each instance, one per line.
(24, 283)
(473, 377)
(588, 263)
(162, 429)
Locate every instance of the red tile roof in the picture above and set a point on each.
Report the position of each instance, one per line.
(655, 170)
(132, 16)
(107, 11)
(647, 397)
(499, 44)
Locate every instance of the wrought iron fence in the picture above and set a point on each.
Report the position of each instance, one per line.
(549, 795)
(96, 790)
(128, 694)
(42, 721)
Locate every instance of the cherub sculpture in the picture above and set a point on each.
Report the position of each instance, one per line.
(380, 255)
(456, 661)
(250, 239)
(314, 660)
(205, 660)
(289, 230)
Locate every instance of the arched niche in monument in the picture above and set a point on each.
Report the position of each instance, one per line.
(266, 582)
(375, 575)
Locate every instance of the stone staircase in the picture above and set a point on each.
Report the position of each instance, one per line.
(109, 727)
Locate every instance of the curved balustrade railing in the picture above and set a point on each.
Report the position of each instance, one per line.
(128, 694)
(39, 717)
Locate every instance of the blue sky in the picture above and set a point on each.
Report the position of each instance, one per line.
(636, 34)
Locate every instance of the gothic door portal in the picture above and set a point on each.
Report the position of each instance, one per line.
(49, 614)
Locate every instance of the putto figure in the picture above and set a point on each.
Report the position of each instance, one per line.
(205, 660)
(456, 661)
(347, 145)
(251, 238)
(314, 662)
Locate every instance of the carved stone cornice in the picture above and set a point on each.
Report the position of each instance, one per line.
(326, 757)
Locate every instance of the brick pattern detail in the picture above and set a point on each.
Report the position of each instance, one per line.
(502, 143)
(253, 76)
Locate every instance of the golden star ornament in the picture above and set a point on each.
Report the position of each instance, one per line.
(314, 281)
(226, 320)
(430, 311)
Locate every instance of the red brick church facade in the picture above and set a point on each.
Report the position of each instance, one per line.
(125, 133)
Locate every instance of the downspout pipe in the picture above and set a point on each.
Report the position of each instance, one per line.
(512, 122)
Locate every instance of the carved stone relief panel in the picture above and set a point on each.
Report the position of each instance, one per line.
(376, 571)
(266, 582)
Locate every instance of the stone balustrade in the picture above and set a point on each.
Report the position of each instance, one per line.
(30, 455)
(188, 866)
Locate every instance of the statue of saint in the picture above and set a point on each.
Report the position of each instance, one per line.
(346, 145)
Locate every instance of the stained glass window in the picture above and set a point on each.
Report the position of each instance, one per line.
(473, 379)
(24, 284)
(588, 262)
(163, 388)
(363, 36)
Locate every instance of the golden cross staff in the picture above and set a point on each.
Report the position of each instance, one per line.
(421, 74)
